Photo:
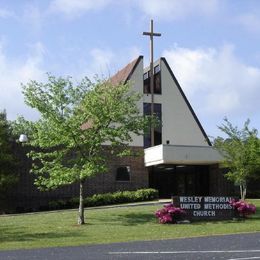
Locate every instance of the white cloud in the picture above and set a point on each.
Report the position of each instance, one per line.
(106, 62)
(15, 72)
(101, 60)
(165, 9)
(216, 80)
(77, 7)
(176, 9)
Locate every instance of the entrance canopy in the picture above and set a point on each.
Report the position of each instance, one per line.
(181, 154)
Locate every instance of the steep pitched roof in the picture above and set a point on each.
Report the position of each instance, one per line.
(123, 75)
(187, 102)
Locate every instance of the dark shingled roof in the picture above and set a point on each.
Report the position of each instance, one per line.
(123, 75)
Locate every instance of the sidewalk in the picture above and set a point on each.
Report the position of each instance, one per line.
(134, 204)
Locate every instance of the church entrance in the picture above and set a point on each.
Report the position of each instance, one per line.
(176, 180)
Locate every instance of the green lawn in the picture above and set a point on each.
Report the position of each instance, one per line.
(107, 226)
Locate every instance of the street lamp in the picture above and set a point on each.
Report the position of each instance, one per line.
(23, 138)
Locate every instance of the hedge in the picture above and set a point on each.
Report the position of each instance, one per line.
(107, 199)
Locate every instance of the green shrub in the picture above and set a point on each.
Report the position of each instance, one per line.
(74, 202)
(57, 204)
(107, 199)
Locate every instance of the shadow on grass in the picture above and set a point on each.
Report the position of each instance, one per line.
(17, 235)
(131, 219)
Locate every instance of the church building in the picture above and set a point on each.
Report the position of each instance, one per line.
(180, 159)
(176, 158)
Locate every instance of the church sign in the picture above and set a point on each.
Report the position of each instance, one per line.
(205, 208)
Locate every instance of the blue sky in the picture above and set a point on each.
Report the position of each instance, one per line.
(212, 46)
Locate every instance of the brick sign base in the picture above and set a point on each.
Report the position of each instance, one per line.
(205, 208)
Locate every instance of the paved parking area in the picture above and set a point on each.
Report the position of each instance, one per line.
(232, 247)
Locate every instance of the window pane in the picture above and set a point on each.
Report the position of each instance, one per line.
(123, 173)
(156, 69)
(147, 86)
(157, 81)
(157, 130)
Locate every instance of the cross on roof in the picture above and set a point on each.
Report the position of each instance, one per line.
(151, 34)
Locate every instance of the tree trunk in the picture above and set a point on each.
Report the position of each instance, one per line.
(81, 220)
(243, 188)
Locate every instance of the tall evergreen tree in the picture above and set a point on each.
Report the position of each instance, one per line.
(8, 174)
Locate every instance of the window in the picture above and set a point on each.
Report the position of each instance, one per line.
(147, 83)
(123, 173)
(158, 130)
(156, 69)
(157, 81)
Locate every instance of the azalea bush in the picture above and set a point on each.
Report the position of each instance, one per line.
(243, 208)
(169, 214)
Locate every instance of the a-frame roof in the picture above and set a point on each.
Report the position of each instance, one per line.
(186, 101)
(123, 75)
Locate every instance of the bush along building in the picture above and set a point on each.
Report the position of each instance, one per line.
(176, 157)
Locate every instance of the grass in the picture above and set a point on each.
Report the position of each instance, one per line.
(107, 226)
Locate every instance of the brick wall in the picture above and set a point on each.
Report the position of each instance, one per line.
(106, 182)
(24, 196)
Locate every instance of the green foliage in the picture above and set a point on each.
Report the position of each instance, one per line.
(8, 165)
(241, 152)
(76, 120)
(107, 199)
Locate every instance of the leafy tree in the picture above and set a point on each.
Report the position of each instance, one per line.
(76, 121)
(241, 153)
(8, 174)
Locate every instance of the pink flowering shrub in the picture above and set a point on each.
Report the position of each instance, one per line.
(169, 214)
(243, 208)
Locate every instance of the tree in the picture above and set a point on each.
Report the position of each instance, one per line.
(241, 153)
(8, 174)
(76, 121)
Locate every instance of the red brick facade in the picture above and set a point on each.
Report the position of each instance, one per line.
(25, 195)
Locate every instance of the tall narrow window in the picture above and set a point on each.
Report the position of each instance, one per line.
(147, 82)
(147, 135)
(157, 130)
(157, 81)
